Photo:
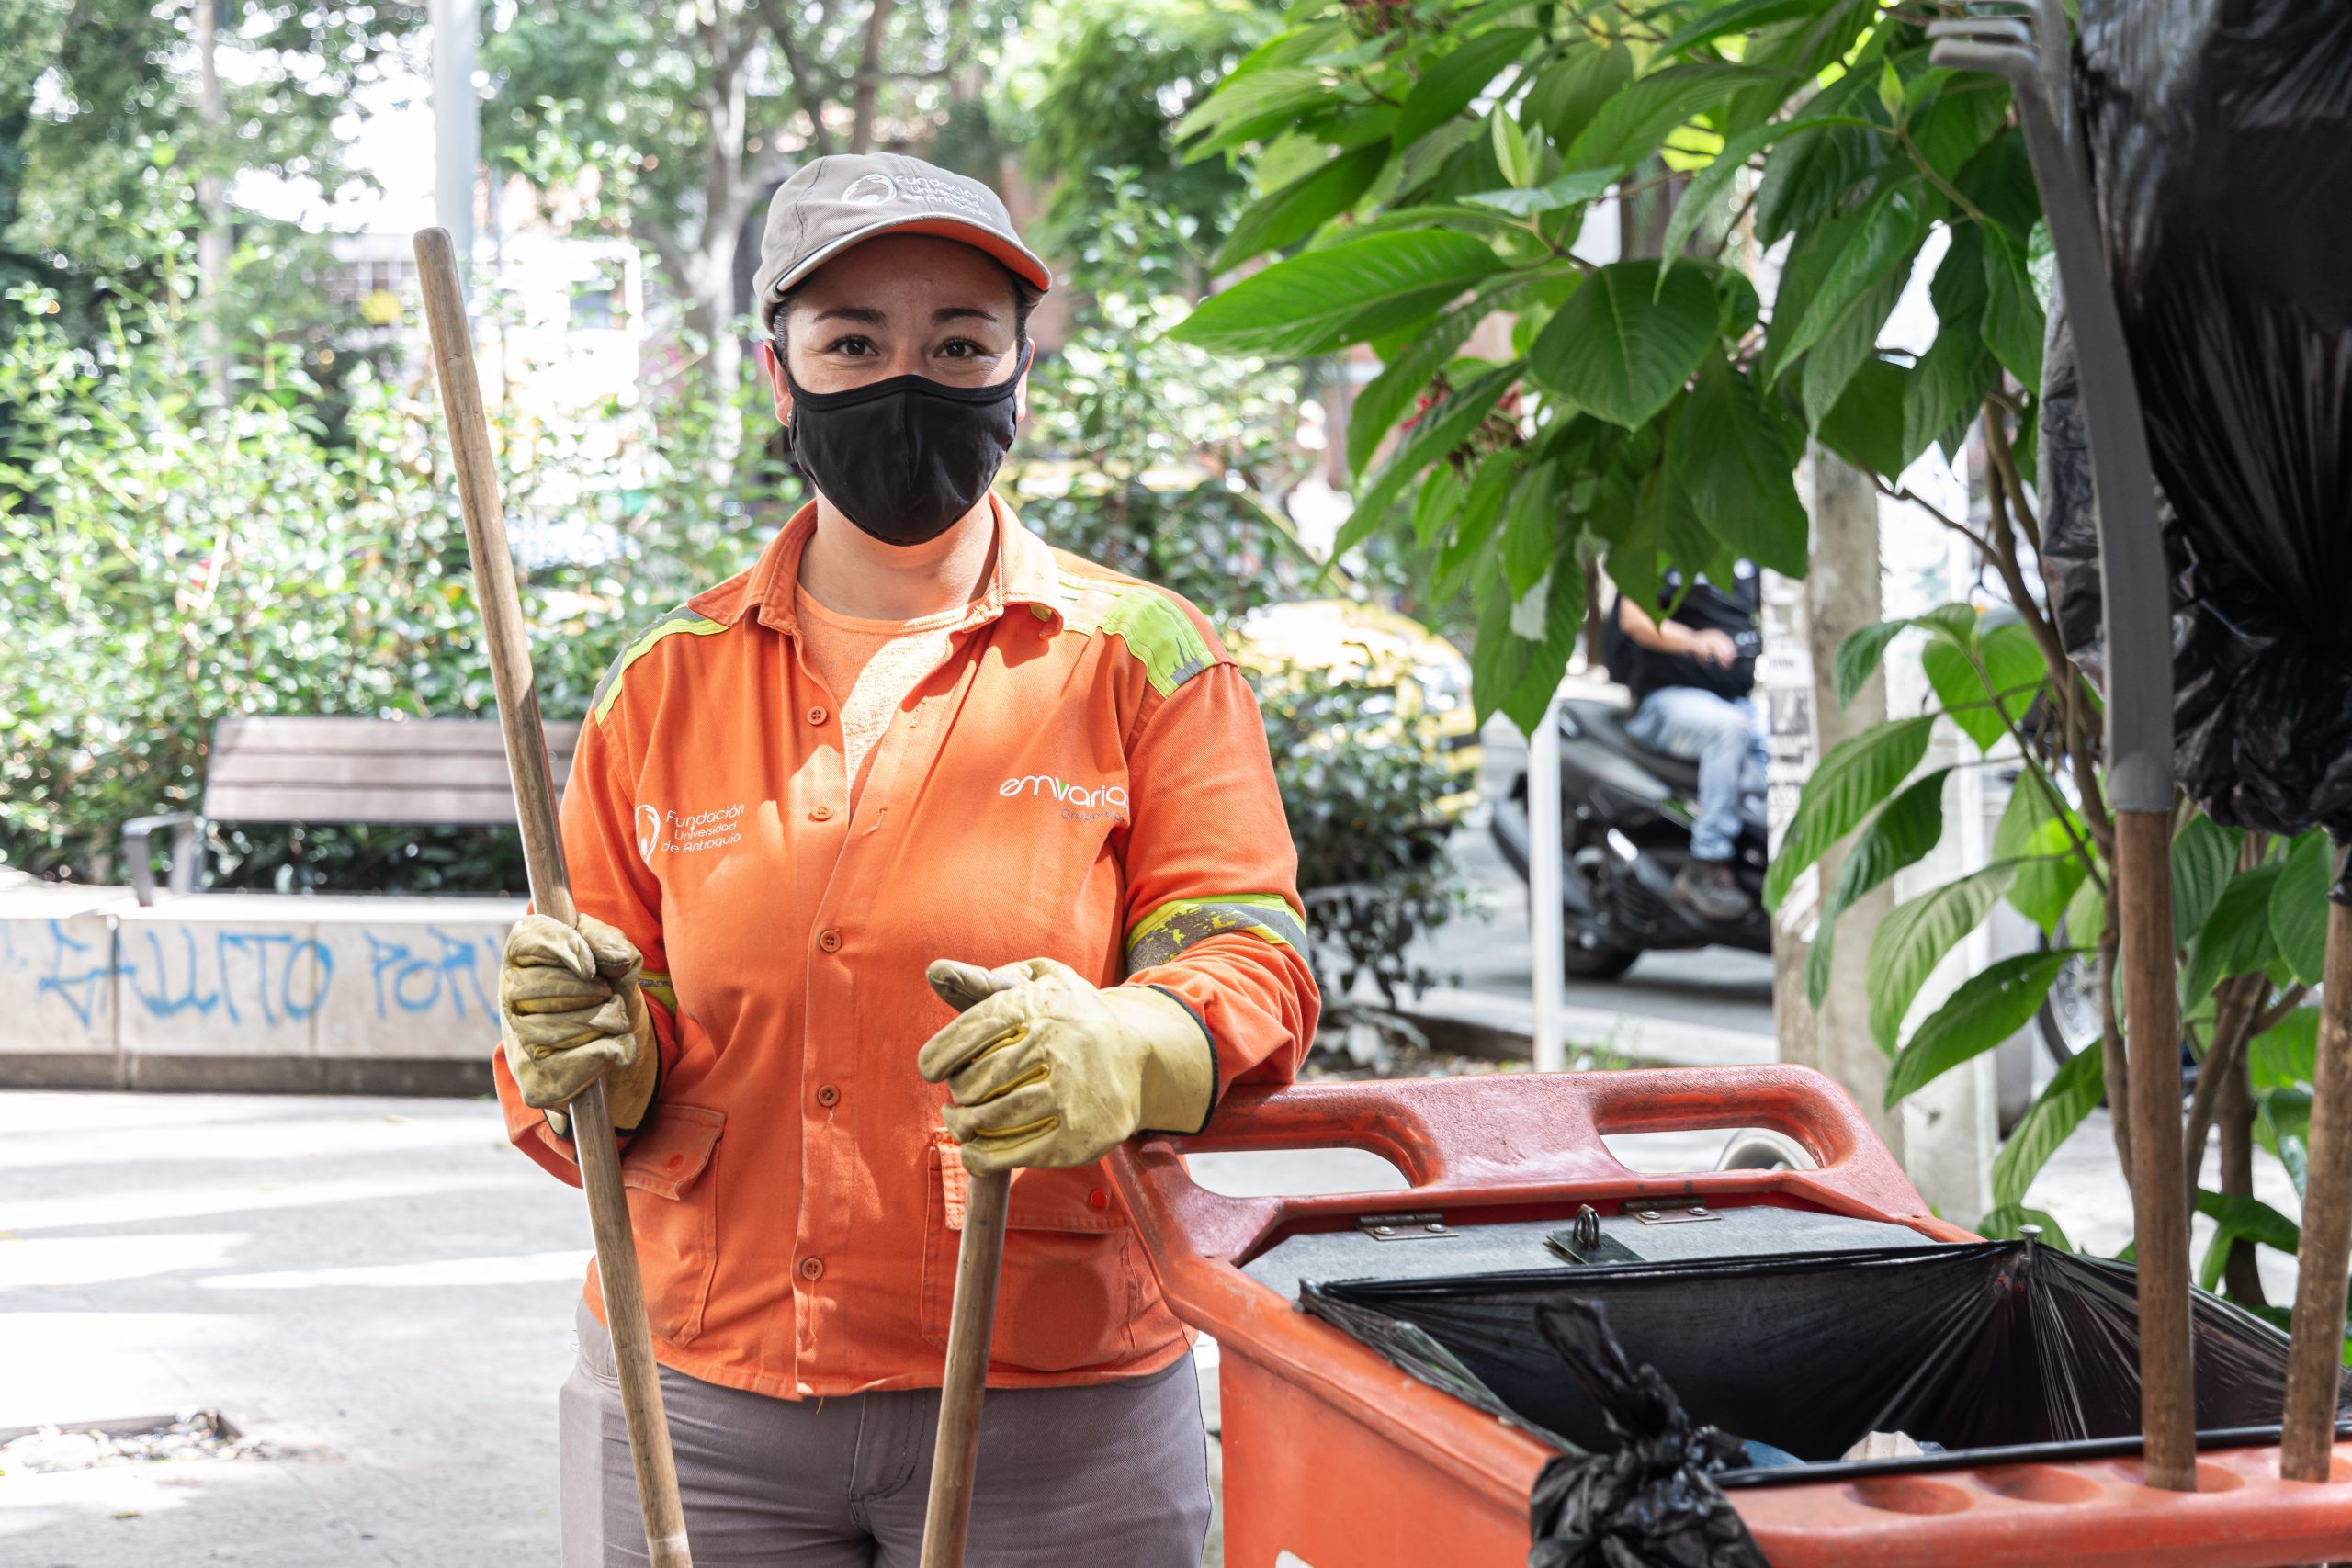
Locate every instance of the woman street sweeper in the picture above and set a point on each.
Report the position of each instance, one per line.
(913, 753)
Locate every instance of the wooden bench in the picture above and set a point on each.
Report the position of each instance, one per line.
(424, 772)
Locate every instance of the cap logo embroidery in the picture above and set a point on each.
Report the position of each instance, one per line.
(871, 190)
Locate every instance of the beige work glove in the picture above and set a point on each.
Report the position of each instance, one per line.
(1048, 1071)
(570, 1011)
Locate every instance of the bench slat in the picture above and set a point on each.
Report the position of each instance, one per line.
(446, 772)
(342, 803)
(322, 769)
(458, 734)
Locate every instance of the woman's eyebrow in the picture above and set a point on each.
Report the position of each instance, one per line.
(946, 314)
(865, 315)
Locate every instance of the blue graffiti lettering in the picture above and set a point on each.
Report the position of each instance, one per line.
(164, 1000)
(84, 992)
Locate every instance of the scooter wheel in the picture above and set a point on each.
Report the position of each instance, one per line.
(1598, 962)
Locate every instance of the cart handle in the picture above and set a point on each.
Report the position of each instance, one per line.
(1506, 1137)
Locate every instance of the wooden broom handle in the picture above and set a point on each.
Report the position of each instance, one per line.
(970, 1324)
(534, 808)
(2315, 1355)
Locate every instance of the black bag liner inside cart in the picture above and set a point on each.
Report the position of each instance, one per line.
(2007, 1346)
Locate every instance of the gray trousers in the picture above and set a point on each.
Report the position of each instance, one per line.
(1112, 1473)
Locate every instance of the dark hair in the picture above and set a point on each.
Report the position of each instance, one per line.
(1025, 296)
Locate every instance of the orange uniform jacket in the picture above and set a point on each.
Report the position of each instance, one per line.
(1085, 777)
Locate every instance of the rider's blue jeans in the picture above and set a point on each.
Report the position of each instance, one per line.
(1725, 737)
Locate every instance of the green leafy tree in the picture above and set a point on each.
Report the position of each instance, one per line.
(672, 128)
(1435, 165)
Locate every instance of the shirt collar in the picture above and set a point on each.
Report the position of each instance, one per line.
(1024, 573)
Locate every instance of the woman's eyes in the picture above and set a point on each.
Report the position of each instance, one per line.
(857, 347)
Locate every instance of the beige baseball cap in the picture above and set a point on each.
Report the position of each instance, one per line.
(832, 203)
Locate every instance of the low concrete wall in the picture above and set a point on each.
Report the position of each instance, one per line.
(249, 991)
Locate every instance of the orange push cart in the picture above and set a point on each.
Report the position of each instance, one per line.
(1336, 1458)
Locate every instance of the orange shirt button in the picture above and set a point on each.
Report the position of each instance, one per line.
(828, 1095)
(830, 940)
(815, 715)
(812, 1268)
(1098, 1199)
(819, 813)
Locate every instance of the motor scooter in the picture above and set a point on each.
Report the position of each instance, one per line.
(1625, 822)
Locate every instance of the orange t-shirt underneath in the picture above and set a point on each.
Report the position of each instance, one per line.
(869, 666)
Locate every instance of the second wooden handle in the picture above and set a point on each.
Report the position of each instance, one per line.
(970, 1325)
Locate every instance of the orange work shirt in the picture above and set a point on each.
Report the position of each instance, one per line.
(1084, 777)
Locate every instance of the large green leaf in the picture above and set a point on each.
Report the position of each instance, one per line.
(2286, 1054)
(1884, 236)
(2235, 939)
(2045, 845)
(1325, 299)
(1299, 208)
(1710, 184)
(1859, 771)
(2002, 663)
(1738, 17)
(2013, 319)
(1249, 95)
(2203, 854)
(1900, 834)
(1810, 173)
(1860, 656)
(1515, 673)
(1866, 426)
(1987, 1010)
(2299, 906)
(1384, 398)
(1531, 527)
(1632, 124)
(1735, 466)
(2239, 1215)
(1449, 85)
(1570, 90)
(1440, 430)
(1913, 939)
(2070, 1096)
(1831, 365)
(1573, 188)
(1443, 495)
(1622, 346)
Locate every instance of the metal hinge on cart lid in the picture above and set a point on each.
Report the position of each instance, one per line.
(1672, 1210)
(1406, 1227)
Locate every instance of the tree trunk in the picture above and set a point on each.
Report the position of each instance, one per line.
(212, 244)
(2234, 1112)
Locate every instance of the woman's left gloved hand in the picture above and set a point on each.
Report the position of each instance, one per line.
(1048, 1071)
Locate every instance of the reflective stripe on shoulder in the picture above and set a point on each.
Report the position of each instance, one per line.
(656, 986)
(1176, 925)
(682, 619)
(1154, 628)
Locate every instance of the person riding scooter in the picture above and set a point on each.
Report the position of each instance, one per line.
(1691, 670)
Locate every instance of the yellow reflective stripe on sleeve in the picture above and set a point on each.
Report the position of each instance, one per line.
(1176, 925)
(682, 619)
(657, 987)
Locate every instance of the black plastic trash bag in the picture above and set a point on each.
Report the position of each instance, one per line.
(2221, 136)
(1978, 1345)
(1647, 1503)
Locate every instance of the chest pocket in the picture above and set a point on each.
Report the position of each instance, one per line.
(1072, 1285)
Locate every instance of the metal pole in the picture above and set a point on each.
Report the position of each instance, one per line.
(1544, 888)
(2136, 608)
(457, 120)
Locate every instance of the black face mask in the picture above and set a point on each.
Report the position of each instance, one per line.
(903, 458)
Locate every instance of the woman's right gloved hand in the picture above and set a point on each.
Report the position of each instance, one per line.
(570, 1011)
